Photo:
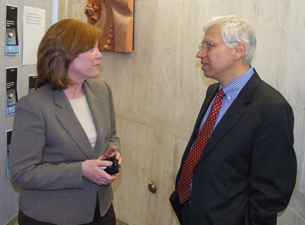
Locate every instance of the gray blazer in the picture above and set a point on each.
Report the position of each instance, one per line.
(47, 150)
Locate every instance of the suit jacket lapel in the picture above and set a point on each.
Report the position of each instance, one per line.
(97, 108)
(211, 92)
(69, 121)
(234, 113)
(210, 96)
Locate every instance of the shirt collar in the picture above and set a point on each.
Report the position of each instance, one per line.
(234, 87)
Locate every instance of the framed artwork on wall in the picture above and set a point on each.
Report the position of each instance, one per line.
(116, 20)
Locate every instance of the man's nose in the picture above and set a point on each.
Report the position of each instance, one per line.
(201, 53)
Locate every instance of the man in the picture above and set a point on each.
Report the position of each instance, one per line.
(243, 170)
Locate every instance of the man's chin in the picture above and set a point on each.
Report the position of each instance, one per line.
(206, 74)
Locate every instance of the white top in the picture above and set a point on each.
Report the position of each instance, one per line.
(83, 114)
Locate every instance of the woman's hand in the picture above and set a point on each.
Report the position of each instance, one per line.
(92, 171)
(110, 153)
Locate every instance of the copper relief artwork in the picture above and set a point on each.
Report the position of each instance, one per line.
(115, 19)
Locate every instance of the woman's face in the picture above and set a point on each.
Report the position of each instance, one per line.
(85, 65)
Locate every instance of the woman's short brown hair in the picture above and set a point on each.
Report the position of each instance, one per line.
(60, 45)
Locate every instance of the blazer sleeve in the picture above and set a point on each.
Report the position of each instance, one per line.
(28, 168)
(273, 168)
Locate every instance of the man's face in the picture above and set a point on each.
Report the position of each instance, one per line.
(216, 57)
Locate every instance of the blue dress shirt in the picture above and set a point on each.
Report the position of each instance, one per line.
(231, 91)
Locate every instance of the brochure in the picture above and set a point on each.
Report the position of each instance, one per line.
(11, 34)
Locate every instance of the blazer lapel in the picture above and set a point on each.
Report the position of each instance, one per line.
(234, 113)
(97, 108)
(211, 92)
(69, 121)
(210, 96)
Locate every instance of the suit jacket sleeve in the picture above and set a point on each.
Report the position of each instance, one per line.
(28, 165)
(273, 168)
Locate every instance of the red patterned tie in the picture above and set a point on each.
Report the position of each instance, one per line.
(185, 180)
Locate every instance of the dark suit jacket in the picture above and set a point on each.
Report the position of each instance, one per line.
(47, 150)
(247, 171)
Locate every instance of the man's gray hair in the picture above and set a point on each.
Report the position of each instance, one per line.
(233, 30)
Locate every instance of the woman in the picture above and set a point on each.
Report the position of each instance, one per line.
(63, 132)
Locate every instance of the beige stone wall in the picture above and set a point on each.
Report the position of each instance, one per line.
(158, 90)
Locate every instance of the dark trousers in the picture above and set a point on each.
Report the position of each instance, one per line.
(108, 219)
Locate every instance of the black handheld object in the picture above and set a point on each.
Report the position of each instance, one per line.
(114, 168)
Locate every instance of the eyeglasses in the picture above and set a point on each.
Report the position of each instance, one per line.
(206, 45)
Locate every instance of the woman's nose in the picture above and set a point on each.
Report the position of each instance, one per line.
(99, 55)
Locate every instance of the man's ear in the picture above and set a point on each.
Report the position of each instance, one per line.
(240, 50)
